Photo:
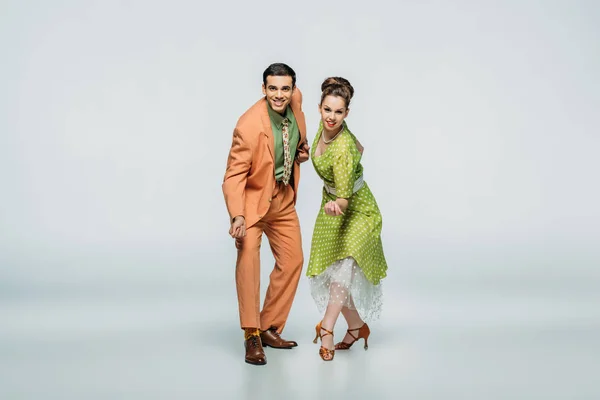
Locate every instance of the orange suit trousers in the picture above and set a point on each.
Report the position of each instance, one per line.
(281, 226)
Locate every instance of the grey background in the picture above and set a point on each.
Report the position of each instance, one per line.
(481, 127)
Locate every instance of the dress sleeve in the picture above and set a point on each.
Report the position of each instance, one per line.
(343, 172)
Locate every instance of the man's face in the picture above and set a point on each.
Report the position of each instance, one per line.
(279, 91)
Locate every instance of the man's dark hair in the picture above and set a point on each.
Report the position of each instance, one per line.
(279, 69)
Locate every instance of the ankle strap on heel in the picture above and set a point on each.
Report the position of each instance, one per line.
(328, 332)
(349, 333)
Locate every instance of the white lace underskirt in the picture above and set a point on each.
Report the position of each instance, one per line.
(343, 282)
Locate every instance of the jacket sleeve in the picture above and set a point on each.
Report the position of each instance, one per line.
(296, 100)
(236, 174)
(296, 104)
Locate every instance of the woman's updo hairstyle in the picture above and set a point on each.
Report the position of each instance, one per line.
(337, 86)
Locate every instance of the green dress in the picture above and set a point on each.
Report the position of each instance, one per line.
(357, 233)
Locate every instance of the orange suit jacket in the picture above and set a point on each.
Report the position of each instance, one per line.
(250, 176)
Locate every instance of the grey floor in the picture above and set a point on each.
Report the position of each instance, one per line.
(164, 336)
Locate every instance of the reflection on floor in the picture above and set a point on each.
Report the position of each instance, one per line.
(436, 340)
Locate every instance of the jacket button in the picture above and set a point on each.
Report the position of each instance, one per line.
(270, 199)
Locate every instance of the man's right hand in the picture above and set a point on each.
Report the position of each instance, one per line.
(238, 227)
(303, 153)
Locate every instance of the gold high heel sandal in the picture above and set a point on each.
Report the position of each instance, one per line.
(363, 332)
(325, 353)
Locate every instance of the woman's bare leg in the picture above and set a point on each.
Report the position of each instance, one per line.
(337, 299)
(353, 320)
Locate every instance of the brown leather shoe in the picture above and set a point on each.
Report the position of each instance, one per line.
(254, 351)
(271, 338)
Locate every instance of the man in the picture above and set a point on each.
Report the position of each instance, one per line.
(260, 186)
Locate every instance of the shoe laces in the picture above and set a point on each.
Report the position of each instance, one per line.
(254, 341)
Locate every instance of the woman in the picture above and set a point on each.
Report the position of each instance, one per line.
(346, 259)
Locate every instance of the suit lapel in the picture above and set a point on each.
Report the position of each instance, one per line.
(267, 130)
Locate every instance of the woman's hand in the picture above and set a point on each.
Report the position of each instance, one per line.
(336, 208)
(332, 208)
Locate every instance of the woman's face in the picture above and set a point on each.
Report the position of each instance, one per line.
(333, 111)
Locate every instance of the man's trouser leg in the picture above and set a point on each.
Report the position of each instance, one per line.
(282, 227)
(247, 276)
